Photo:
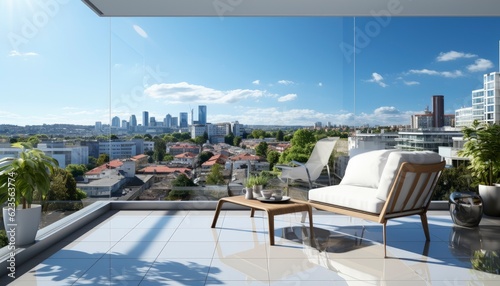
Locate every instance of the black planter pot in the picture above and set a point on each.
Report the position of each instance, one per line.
(466, 208)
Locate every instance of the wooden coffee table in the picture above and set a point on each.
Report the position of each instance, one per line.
(271, 209)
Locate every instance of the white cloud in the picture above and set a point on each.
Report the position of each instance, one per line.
(140, 31)
(377, 78)
(385, 116)
(411, 82)
(424, 71)
(452, 74)
(453, 55)
(480, 65)
(285, 82)
(256, 82)
(15, 53)
(386, 110)
(288, 97)
(184, 92)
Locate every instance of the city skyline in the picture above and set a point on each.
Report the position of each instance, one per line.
(64, 64)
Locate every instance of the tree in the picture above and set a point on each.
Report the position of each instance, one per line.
(177, 136)
(168, 157)
(92, 163)
(63, 187)
(455, 179)
(273, 158)
(229, 138)
(169, 138)
(258, 133)
(303, 142)
(261, 149)
(103, 159)
(280, 136)
(34, 140)
(160, 149)
(183, 181)
(199, 140)
(76, 169)
(113, 137)
(302, 138)
(215, 177)
(237, 141)
(204, 156)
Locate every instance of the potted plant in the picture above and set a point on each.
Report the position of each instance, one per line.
(248, 189)
(482, 147)
(258, 182)
(23, 179)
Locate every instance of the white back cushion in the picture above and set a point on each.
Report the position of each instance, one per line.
(365, 169)
(394, 162)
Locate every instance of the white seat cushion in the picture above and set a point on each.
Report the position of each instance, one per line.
(394, 162)
(365, 169)
(355, 197)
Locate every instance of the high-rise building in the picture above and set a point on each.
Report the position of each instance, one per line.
(463, 117)
(202, 114)
(438, 111)
(183, 119)
(167, 122)
(98, 126)
(145, 118)
(434, 119)
(115, 122)
(486, 101)
(175, 122)
(152, 121)
(133, 122)
(237, 128)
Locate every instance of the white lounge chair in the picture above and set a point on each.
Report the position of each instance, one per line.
(382, 185)
(311, 170)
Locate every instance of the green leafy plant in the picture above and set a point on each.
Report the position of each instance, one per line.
(3, 238)
(25, 177)
(259, 180)
(482, 147)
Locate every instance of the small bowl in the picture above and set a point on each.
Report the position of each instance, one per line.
(278, 195)
(266, 194)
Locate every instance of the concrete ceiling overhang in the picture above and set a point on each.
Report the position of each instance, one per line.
(231, 8)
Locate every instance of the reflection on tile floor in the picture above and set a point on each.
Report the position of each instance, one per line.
(180, 248)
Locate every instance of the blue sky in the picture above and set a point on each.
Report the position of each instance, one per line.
(61, 63)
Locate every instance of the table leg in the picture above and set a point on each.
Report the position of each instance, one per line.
(217, 211)
(311, 228)
(270, 218)
(303, 219)
(252, 212)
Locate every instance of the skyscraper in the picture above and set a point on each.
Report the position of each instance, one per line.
(167, 122)
(183, 119)
(202, 114)
(145, 118)
(133, 122)
(438, 110)
(115, 122)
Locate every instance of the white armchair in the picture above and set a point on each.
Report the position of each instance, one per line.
(311, 170)
(383, 184)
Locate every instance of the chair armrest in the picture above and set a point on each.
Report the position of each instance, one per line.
(299, 164)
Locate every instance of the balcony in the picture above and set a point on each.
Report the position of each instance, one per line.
(171, 243)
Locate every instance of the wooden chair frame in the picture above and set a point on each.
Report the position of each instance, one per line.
(399, 204)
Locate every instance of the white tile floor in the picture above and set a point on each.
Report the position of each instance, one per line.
(180, 248)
